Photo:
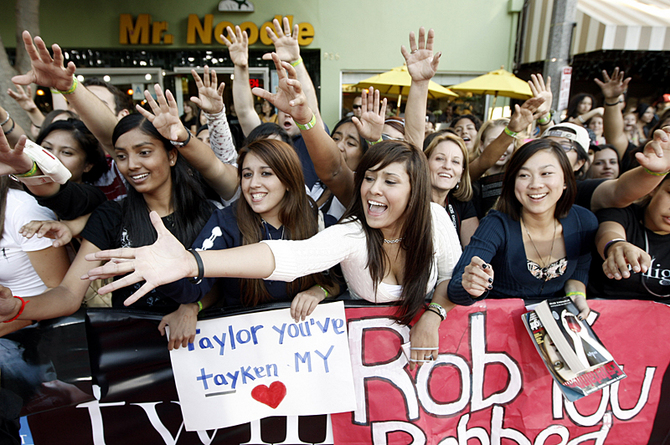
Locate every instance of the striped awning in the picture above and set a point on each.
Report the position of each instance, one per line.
(634, 25)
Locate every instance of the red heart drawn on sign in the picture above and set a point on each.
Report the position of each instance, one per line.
(271, 396)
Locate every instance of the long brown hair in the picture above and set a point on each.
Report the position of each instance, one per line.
(298, 214)
(416, 234)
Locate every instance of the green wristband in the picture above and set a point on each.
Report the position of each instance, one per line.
(309, 125)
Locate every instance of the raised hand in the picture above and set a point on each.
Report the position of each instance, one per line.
(23, 98)
(14, 161)
(613, 86)
(164, 114)
(163, 262)
(656, 154)
(540, 89)
(285, 42)
(55, 230)
(46, 71)
(421, 63)
(525, 114)
(477, 277)
(238, 46)
(371, 123)
(289, 97)
(210, 98)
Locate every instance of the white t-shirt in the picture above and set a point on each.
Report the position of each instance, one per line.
(16, 270)
(345, 244)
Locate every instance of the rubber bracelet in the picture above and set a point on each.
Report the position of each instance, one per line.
(544, 120)
(435, 311)
(376, 142)
(610, 243)
(23, 306)
(70, 90)
(510, 133)
(309, 125)
(296, 62)
(199, 305)
(615, 103)
(574, 294)
(201, 267)
(6, 120)
(645, 169)
(29, 173)
(324, 290)
(11, 129)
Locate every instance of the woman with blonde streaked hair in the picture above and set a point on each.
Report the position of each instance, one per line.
(450, 182)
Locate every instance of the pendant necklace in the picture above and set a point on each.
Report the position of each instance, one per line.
(551, 252)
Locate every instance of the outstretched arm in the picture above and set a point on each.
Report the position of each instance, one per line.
(617, 253)
(25, 100)
(613, 88)
(422, 66)
(540, 89)
(164, 116)
(288, 50)
(523, 116)
(238, 47)
(636, 183)
(50, 72)
(210, 101)
(167, 261)
(328, 162)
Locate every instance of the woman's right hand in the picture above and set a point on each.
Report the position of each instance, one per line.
(182, 325)
(622, 254)
(23, 98)
(165, 261)
(210, 98)
(56, 230)
(238, 46)
(477, 277)
(164, 114)
(46, 71)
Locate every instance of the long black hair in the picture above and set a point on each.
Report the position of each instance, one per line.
(191, 208)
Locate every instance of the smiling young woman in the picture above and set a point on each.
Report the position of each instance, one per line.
(534, 223)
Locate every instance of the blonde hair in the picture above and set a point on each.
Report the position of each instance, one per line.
(464, 191)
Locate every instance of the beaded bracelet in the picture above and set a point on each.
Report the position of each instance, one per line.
(11, 129)
(23, 306)
(645, 169)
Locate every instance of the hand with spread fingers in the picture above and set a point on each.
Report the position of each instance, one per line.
(46, 71)
(371, 123)
(23, 98)
(164, 114)
(421, 63)
(238, 46)
(285, 41)
(210, 98)
(525, 114)
(289, 97)
(163, 262)
(613, 86)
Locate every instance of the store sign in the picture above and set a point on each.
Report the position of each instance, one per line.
(144, 31)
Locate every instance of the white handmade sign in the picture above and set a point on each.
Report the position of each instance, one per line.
(247, 367)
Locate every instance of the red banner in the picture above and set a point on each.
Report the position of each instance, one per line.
(489, 382)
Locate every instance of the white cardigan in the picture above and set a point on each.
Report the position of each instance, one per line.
(344, 244)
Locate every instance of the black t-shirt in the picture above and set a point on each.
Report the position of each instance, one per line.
(585, 189)
(487, 190)
(639, 286)
(72, 200)
(105, 230)
(459, 211)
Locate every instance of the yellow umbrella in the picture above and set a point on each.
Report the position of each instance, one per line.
(397, 82)
(496, 83)
(350, 88)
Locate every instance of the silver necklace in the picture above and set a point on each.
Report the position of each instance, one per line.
(392, 241)
(551, 252)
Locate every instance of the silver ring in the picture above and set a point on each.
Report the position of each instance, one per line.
(428, 357)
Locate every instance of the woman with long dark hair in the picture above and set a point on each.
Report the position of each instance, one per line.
(534, 223)
(392, 244)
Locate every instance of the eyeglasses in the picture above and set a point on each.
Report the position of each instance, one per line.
(356, 107)
(567, 147)
(386, 137)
